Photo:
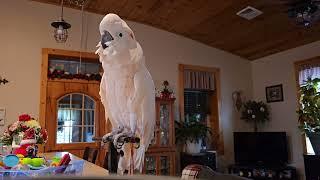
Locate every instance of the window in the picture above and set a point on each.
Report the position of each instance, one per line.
(197, 103)
(199, 98)
(76, 116)
(308, 69)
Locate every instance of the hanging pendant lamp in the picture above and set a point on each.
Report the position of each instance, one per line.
(61, 28)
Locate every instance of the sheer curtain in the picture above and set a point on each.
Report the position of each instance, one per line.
(308, 71)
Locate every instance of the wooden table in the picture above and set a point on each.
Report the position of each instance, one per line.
(89, 169)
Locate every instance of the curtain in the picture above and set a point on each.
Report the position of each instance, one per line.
(200, 80)
(308, 71)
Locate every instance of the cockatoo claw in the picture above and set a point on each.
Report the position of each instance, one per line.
(107, 138)
(118, 140)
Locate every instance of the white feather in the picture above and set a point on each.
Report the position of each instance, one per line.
(127, 88)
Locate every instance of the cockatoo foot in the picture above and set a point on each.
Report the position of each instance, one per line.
(109, 136)
(119, 140)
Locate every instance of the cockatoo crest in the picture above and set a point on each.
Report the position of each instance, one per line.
(117, 39)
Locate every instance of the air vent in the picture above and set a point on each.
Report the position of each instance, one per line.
(249, 13)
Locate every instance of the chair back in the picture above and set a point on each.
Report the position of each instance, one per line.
(87, 152)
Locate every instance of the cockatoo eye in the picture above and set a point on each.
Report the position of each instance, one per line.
(120, 34)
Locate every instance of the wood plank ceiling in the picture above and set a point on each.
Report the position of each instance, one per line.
(215, 23)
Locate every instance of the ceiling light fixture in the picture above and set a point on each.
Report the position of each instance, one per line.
(61, 28)
(304, 12)
(81, 4)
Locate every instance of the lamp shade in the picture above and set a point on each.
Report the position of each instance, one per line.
(61, 30)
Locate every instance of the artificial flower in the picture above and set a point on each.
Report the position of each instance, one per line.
(24, 117)
(6, 132)
(26, 127)
(44, 134)
(32, 123)
(14, 126)
(29, 134)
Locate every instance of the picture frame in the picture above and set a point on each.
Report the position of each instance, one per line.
(274, 93)
(2, 116)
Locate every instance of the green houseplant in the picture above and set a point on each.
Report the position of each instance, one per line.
(191, 133)
(255, 112)
(309, 112)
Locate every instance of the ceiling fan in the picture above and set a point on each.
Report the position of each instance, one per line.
(305, 12)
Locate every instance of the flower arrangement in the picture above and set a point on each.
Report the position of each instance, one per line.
(256, 112)
(28, 129)
(61, 74)
(166, 92)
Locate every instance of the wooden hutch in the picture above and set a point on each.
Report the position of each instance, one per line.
(160, 157)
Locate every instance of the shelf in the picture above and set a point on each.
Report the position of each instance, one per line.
(74, 81)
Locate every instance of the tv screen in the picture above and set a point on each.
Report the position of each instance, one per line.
(260, 147)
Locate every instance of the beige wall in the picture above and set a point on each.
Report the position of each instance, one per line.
(26, 29)
(279, 69)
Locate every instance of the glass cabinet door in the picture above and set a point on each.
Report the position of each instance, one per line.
(151, 165)
(164, 165)
(164, 124)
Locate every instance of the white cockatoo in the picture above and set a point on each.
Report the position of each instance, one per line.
(127, 90)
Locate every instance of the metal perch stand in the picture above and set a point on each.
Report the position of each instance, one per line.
(115, 151)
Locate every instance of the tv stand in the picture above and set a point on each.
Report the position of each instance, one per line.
(261, 172)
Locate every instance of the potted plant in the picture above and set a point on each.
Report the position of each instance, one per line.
(191, 133)
(255, 112)
(309, 112)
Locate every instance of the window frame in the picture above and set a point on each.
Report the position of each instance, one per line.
(83, 109)
(297, 67)
(216, 99)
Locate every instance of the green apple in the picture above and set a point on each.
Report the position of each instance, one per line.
(26, 161)
(37, 162)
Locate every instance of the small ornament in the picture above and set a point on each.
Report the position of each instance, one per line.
(166, 93)
(11, 160)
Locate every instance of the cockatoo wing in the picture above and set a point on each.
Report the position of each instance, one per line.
(143, 102)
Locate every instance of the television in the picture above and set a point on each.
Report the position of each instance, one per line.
(260, 148)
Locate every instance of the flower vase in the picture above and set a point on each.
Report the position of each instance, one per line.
(16, 139)
(193, 147)
(255, 126)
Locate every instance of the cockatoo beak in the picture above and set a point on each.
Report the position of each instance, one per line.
(106, 37)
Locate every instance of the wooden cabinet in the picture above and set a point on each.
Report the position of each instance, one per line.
(162, 164)
(160, 157)
(70, 107)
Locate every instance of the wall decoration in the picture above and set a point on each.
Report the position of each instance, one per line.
(2, 116)
(3, 81)
(274, 93)
(237, 97)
